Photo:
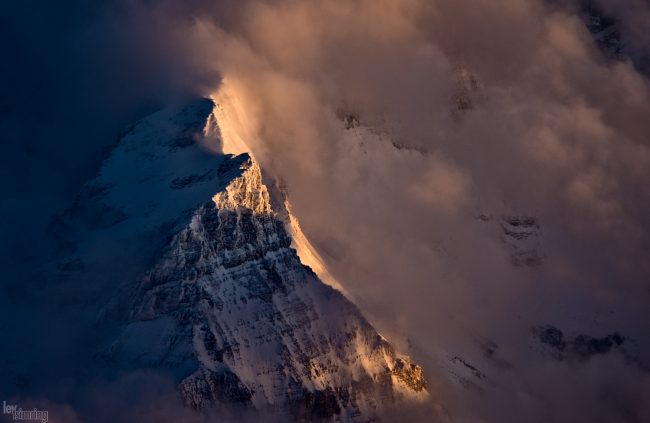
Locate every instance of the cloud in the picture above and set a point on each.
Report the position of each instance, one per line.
(469, 113)
(552, 129)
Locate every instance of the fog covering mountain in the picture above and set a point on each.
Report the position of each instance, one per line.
(475, 175)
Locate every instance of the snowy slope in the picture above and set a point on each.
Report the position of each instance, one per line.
(264, 330)
(191, 256)
(163, 168)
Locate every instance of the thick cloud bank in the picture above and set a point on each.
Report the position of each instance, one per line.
(472, 171)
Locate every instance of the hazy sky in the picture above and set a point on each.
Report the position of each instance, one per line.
(471, 111)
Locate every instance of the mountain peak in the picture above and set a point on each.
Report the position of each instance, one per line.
(223, 303)
(245, 191)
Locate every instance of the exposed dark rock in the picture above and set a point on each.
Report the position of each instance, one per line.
(349, 118)
(316, 405)
(581, 347)
(585, 346)
(402, 146)
(411, 374)
(604, 28)
(476, 372)
(521, 236)
(550, 335)
(207, 388)
(608, 32)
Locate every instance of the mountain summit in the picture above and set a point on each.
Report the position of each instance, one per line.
(222, 301)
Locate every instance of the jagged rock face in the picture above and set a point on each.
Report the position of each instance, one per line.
(231, 309)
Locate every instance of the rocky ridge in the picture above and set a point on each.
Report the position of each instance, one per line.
(228, 306)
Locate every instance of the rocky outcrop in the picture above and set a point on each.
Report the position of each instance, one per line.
(522, 238)
(581, 347)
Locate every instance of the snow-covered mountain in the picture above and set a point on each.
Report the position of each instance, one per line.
(205, 256)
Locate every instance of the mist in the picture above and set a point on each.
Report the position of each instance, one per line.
(408, 132)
